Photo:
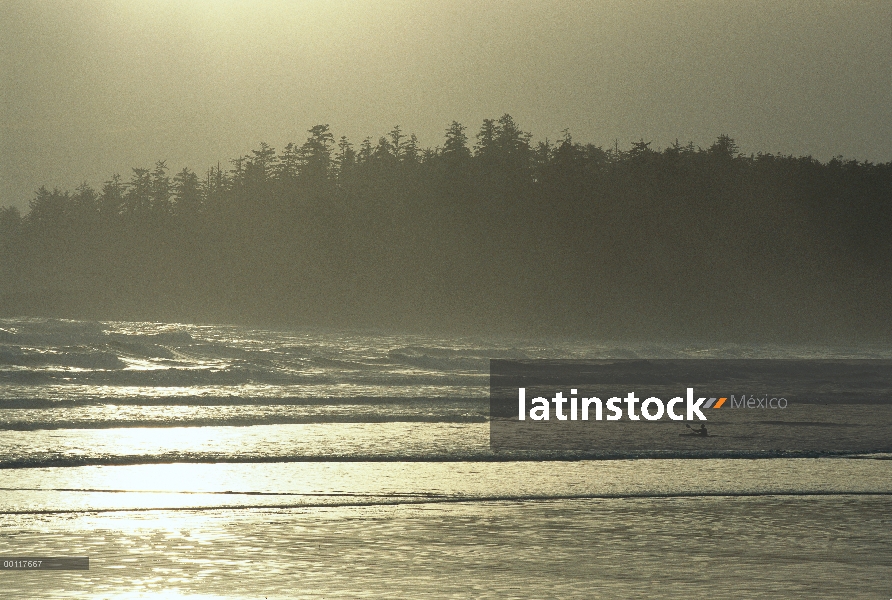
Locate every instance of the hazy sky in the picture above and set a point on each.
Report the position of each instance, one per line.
(93, 88)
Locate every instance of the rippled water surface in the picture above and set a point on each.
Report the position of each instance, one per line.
(210, 461)
(769, 547)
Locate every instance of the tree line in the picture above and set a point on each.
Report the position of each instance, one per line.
(485, 232)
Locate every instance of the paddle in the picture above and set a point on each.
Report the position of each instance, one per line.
(696, 431)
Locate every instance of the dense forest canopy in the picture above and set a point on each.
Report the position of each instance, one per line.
(488, 232)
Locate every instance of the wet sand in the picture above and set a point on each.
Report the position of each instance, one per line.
(781, 528)
(813, 546)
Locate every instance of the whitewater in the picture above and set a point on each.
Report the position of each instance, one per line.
(208, 461)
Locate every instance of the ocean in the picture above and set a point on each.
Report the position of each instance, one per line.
(198, 461)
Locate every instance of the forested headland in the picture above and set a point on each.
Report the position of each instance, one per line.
(488, 232)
